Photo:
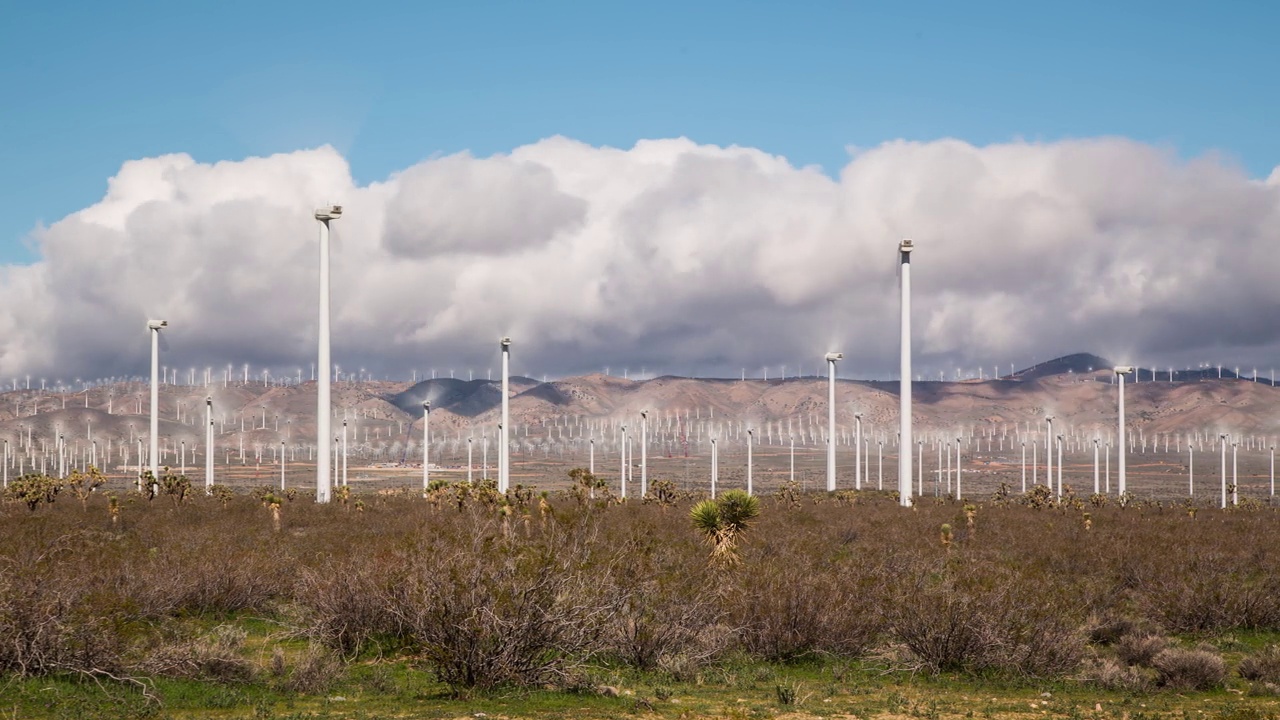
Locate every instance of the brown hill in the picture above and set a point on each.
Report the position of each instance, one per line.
(1082, 401)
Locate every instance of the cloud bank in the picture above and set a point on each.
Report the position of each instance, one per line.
(669, 256)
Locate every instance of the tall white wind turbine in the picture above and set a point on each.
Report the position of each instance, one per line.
(154, 326)
(208, 444)
(1222, 441)
(1048, 455)
(1120, 372)
(426, 445)
(324, 434)
(904, 379)
(504, 450)
(644, 453)
(832, 358)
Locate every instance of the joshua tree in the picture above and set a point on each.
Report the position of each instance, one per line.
(722, 520)
(273, 502)
(585, 484)
(222, 494)
(175, 486)
(82, 484)
(33, 489)
(662, 492)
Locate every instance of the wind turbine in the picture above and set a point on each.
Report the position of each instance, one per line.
(644, 453)
(154, 326)
(208, 444)
(904, 459)
(857, 451)
(1048, 470)
(1097, 487)
(622, 461)
(504, 450)
(958, 476)
(1223, 438)
(1024, 467)
(832, 358)
(715, 467)
(1121, 371)
(1060, 441)
(324, 433)
(1235, 482)
(426, 445)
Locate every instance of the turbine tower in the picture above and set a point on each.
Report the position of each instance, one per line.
(504, 451)
(324, 435)
(154, 326)
(1121, 371)
(644, 453)
(832, 357)
(904, 379)
(208, 444)
(426, 446)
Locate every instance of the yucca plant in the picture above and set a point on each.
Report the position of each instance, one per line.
(722, 520)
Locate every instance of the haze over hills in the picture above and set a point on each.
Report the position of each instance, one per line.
(1072, 388)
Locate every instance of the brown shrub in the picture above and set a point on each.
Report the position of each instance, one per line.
(1140, 648)
(50, 621)
(492, 612)
(529, 596)
(666, 615)
(796, 604)
(1189, 669)
(1110, 674)
(975, 618)
(1262, 666)
(315, 671)
(1110, 630)
(348, 604)
(213, 656)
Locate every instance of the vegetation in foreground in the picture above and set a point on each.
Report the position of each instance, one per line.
(467, 601)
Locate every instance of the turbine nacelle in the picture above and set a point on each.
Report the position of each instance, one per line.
(157, 324)
(834, 356)
(332, 212)
(1124, 369)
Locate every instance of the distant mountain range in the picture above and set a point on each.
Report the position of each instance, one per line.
(1075, 388)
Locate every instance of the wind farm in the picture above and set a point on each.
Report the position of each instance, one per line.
(264, 429)
(661, 361)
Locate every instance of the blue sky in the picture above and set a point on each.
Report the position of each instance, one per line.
(389, 84)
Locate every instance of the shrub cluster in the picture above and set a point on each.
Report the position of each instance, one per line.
(489, 590)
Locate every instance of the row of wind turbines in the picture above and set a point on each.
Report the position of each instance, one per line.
(327, 460)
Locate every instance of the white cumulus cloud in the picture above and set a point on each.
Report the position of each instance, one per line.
(670, 255)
